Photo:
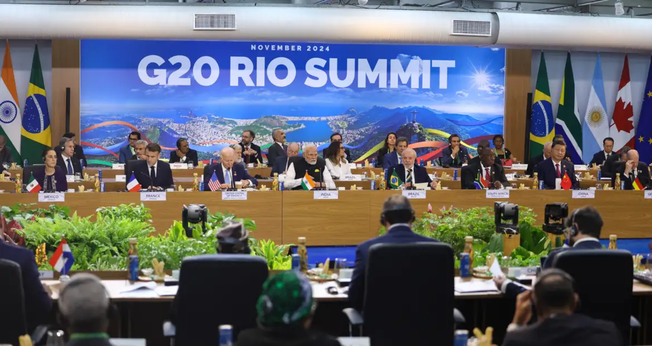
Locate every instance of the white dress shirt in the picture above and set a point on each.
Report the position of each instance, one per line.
(65, 162)
(292, 181)
(337, 171)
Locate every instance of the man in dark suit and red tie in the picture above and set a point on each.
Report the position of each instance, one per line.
(556, 167)
(227, 173)
(493, 173)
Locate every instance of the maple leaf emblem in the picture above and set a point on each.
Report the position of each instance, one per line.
(623, 115)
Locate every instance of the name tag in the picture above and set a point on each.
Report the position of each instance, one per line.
(581, 168)
(179, 166)
(648, 194)
(152, 196)
(118, 166)
(498, 194)
(45, 274)
(70, 178)
(519, 166)
(350, 177)
(234, 195)
(52, 197)
(414, 194)
(583, 194)
(326, 194)
(250, 165)
(121, 178)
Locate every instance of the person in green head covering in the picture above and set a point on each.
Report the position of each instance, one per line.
(285, 310)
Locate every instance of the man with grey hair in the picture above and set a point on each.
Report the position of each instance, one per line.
(139, 150)
(227, 173)
(66, 159)
(282, 162)
(408, 172)
(634, 174)
(84, 307)
(532, 165)
(312, 168)
(278, 148)
(397, 217)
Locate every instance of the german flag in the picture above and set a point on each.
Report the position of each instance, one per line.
(637, 185)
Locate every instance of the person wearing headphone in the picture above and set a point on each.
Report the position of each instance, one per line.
(502, 154)
(85, 310)
(66, 159)
(555, 301)
(50, 176)
(397, 217)
(184, 154)
(454, 155)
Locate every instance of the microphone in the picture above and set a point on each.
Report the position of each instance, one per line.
(151, 181)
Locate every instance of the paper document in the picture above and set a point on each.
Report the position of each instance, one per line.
(475, 286)
(139, 285)
(495, 268)
(166, 290)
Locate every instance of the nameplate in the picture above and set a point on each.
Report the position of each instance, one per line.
(414, 194)
(45, 274)
(519, 166)
(121, 178)
(152, 196)
(583, 193)
(70, 178)
(350, 177)
(250, 165)
(179, 165)
(118, 166)
(234, 195)
(498, 194)
(52, 197)
(581, 168)
(326, 194)
(648, 194)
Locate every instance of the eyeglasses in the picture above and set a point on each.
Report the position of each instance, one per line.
(133, 139)
(341, 148)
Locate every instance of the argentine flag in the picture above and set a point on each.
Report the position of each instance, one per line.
(596, 121)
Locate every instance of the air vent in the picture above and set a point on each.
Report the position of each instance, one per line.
(213, 21)
(471, 28)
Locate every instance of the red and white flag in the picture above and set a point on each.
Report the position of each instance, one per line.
(623, 123)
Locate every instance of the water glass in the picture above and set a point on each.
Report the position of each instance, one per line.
(191, 165)
(648, 262)
(340, 263)
(55, 338)
(77, 176)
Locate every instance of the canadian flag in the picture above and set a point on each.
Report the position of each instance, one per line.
(623, 123)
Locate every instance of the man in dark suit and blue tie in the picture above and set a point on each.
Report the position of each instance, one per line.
(394, 158)
(409, 172)
(153, 173)
(555, 167)
(282, 163)
(66, 158)
(227, 173)
(454, 155)
(397, 217)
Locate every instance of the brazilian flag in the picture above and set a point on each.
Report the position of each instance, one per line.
(542, 125)
(36, 134)
(394, 180)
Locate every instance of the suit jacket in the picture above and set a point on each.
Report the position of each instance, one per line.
(89, 342)
(163, 174)
(191, 155)
(532, 165)
(599, 159)
(471, 171)
(476, 160)
(275, 151)
(420, 174)
(5, 157)
(381, 157)
(400, 234)
(566, 330)
(324, 154)
(74, 160)
(643, 175)
(79, 152)
(608, 167)
(125, 154)
(279, 165)
(251, 158)
(390, 160)
(239, 173)
(447, 160)
(37, 302)
(60, 183)
(548, 173)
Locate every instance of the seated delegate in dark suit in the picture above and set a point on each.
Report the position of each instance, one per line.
(536, 160)
(282, 163)
(409, 172)
(397, 217)
(251, 153)
(153, 173)
(184, 154)
(630, 170)
(454, 155)
(609, 165)
(388, 147)
(51, 177)
(278, 148)
(227, 172)
(482, 144)
(139, 150)
(493, 173)
(79, 151)
(128, 150)
(601, 156)
(37, 301)
(66, 159)
(555, 167)
(394, 158)
(555, 301)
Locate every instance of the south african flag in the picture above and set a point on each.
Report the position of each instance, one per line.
(480, 183)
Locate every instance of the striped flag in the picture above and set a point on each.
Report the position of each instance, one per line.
(62, 259)
(568, 123)
(595, 127)
(133, 185)
(214, 184)
(10, 119)
(36, 132)
(33, 186)
(623, 122)
(307, 183)
(637, 185)
(542, 127)
(480, 183)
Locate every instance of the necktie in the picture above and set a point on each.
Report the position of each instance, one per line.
(152, 173)
(227, 177)
(247, 155)
(70, 170)
(487, 175)
(408, 177)
(558, 171)
(399, 159)
(285, 150)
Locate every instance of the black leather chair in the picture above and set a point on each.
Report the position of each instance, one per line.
(13, 319)
(27, 172)
(216, 290)
(409, 295)
(607, 298)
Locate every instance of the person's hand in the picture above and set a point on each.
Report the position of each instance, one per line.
(47, 289)
(628, 166)
(407, 185)
(180, 154)
(499, 280)
(523, 312)
(142, 157)
(433, 185)
(6, 173)
(245, 183)
(497, 185)
(456, 150)
(320, 185)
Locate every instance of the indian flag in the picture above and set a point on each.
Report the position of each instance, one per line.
(10, 119)
(307, 183)
(33, 186)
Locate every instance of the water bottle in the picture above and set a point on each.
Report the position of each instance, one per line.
(102, 187)
(25, 163)
(465, 265)
(541, 185)
(364, 175)
(455, 174)
(461, 337)
(133, 260)
(201, 186)
(99, 174)
(226, 335)
(599, 174)
(280, 186)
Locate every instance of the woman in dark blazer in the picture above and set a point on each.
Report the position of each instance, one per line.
(388, 147)
(51, 177)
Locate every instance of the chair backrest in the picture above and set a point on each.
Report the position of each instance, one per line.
(27, 172)
(13, 319)
(604, 280)
(129, 167)
(409, 294)
(216, 290)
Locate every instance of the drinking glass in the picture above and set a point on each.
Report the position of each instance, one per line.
(191, 165)
(648, 263)
(340, 263)
(55, 338)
